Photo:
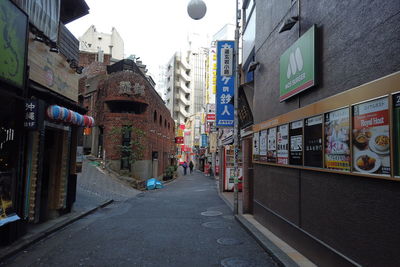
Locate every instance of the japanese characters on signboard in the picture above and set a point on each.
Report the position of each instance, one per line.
(179, 140)
(263, 145)
(283, 144)
(396, 130)
(225, 83)
(296, 143)
(313, 142)
(337, 140)
(204, 140)
(371, 139)
(14, 27)
(271, 145)
(31, 114)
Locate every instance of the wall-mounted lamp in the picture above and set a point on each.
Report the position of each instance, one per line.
(288, 24)
(253, 66)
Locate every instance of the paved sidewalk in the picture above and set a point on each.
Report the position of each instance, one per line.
(95, 190)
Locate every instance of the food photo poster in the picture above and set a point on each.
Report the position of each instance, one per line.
(337, 140)
(371, 139)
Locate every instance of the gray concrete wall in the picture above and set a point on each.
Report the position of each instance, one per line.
(356, 217)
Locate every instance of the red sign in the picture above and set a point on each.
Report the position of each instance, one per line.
(182, 126)
(210, 117)
(179, 140)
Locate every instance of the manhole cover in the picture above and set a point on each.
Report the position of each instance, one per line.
(229, 241)
(214, 225)
(211, 213)
(236, 262)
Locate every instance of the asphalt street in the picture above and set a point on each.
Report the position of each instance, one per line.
(184, 224)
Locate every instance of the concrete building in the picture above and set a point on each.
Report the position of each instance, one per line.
(94, 41)
(308, 65)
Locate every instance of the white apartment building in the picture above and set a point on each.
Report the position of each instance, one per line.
(94, 42)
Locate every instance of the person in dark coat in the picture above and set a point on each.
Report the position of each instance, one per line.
(191, 166)
(184, 165)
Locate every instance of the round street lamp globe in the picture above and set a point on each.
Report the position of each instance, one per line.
(196, 9)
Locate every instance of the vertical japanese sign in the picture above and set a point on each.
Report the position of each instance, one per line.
(396, 131)
(296, 143)
(31, 114)
(271, 145)
(313, 142)
(283, 144)
(225, 83)
(337, 140)
(371, 140)
(204, 140)
(297, 66)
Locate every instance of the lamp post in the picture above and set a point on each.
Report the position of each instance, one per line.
(197, 10)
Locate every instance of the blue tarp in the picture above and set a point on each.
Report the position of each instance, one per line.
(153, 183)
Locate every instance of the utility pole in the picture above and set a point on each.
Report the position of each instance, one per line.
(236, 120)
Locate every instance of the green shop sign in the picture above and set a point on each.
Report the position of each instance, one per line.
(13, 37)
(297, 66)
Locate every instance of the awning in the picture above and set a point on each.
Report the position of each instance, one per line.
(62, 114)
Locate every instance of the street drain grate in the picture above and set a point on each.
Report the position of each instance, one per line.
(211, 213)
(215, 225)
(236, 262)
(229, 241)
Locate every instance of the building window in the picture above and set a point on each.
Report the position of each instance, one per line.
(160, 120)
(155, 116)
(126, 143)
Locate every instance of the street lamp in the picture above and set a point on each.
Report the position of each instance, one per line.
(197, 10)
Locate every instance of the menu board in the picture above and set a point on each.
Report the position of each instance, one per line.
(283, 144)
(371, 140)
(313, 142)
(256, 145)
(396, 131)
(296, 143)
(263, 145)
(337, 140)
(271, 150)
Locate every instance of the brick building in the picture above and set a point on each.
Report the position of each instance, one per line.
(122, 98)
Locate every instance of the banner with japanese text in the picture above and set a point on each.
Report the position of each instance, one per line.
(225, 83)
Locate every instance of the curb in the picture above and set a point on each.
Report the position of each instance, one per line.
(275, 252)
(281, 258)
(20, 245)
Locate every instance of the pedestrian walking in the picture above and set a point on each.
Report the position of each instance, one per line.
(184, 165)
(191, 166)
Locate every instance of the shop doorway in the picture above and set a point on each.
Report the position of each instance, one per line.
(52, 172)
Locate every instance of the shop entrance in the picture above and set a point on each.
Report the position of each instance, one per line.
(52, 172)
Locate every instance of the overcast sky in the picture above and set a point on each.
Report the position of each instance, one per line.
(153, 29)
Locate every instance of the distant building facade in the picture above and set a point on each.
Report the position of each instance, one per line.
(94, 41)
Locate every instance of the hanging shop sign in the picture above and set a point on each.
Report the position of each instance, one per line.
(283, 144)
(225, 83)
(213, 142)
(313, 142)
(371, 138)
(204, 140)
(51, 70)
(297, 66)
(396, 129)
(62, 114)
(296, 143)
(13, 41)
(31, 114)
(179, 140)
(337, 140)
